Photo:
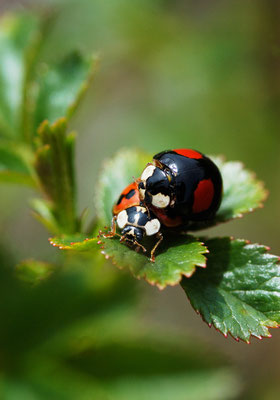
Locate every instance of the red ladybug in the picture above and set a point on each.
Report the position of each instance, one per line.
(134, 220)
(181, 185)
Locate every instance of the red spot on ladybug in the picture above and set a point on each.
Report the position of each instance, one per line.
(203, 196)
(189, 153)
(128, 198)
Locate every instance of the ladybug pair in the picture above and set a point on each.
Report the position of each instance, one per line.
(177, 187)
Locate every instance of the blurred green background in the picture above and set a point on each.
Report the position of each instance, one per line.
(198, 74)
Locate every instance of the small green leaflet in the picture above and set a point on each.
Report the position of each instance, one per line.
(239, 291)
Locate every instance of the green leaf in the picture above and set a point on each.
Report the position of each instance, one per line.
(55, 165)
(239, 291)
(77, 242)
(15, 164)
(16, 33)
(176, 256)
(61, 87)
(243, 193)
(116, 174)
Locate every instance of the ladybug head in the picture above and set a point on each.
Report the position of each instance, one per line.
(137, 222)
(155, 187)
(132, 233)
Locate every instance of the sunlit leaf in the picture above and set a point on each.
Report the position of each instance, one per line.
(239, 291)
(177, 256)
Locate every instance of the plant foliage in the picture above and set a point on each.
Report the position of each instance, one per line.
(69, 325)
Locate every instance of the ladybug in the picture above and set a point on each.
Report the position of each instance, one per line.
(180, 186)
(134, 220)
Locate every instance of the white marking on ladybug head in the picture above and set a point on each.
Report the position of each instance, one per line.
(122, 219)
(131, 232)
(152, 227)
(160, 200)
(148, 171)
(136, 218)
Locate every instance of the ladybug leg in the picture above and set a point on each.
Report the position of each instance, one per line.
(122, 238)
(134, 243)
(160, 239)
(113, 231)
(140, 246)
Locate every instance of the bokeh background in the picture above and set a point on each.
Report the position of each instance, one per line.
(173, 73)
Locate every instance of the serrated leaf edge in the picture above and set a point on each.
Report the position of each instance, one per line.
(228, 333)
(70, 246)
(155, 283)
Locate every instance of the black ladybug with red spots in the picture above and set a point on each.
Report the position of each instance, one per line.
(181, 185)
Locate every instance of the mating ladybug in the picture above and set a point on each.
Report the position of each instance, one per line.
(181, 185)
(134, 220)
